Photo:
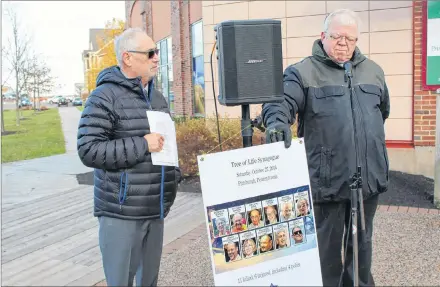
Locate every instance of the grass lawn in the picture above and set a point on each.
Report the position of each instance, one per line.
(80, 108)
(37, 136)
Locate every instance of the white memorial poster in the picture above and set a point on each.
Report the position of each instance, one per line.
(262, 196)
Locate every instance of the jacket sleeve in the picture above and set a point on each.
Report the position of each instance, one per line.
(385, 103)
(178, 175)
(293, 102)
(95, 145)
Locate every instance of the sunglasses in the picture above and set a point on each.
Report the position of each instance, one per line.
(150, 53)
(299, 232)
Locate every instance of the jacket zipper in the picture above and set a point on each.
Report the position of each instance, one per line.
(360, 116)
(145, 96)
(362, 126)
(163, 168)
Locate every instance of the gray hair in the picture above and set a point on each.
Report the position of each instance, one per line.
(344, 17)
(126, 41)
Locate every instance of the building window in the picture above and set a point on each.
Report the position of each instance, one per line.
(198, 73)
(164, 78)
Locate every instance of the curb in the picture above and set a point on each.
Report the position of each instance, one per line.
(407, 209)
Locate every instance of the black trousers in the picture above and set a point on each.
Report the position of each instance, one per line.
(331, 218)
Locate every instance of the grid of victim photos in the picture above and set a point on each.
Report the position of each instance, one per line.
(262, 224)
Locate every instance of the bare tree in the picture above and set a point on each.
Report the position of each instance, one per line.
(41, 80)
(2, 119)
(4, 81)
(16, 53)
(78, 89)
(46, 82)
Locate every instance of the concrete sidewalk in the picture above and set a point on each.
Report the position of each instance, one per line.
(70, 117)
(47, 175)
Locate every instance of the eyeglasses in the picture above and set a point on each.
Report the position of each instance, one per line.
(299, 232)
(338, 37)
(150, 53)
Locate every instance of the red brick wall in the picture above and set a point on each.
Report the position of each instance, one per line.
(148, 18)
(161, 11)
(136, 15)
(181, 39)
(137, 11)
(424, 101)
(195, 11)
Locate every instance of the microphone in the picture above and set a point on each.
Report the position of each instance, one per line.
(348, 66)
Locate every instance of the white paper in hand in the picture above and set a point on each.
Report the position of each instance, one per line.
(162, 123)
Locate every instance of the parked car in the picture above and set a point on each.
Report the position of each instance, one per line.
(25, 102)
(54, 100)
(77, 102)
(9, 96)
(63, 102)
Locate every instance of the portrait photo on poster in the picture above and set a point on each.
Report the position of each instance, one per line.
(262, 228)
(237, 216)
(270, 207)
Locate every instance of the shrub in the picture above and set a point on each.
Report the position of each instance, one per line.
(193, 139)
(197, 136)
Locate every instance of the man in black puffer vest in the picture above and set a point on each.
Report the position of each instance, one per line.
(132, 196)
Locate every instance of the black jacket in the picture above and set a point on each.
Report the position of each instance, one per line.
(111, 140)
(333, 123)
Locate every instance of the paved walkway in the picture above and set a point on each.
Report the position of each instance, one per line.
(29, 180)
(54, 240)
(47, 175)
(70, 117)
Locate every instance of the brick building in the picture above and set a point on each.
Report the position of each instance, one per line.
(393, 33)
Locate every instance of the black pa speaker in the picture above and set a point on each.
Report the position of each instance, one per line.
(250, 62)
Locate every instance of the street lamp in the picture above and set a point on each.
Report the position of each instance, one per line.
(437, 155)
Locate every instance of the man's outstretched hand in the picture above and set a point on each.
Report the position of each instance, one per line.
(277, 132)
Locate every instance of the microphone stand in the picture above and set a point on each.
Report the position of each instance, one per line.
(355, 187)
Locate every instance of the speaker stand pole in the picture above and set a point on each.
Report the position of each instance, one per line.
(246, 126)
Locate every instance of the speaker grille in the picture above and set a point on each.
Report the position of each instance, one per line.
(230, 63)
(250, 62)
(255, 59)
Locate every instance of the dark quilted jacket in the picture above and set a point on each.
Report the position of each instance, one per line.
(336, 123)
(111, 140)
